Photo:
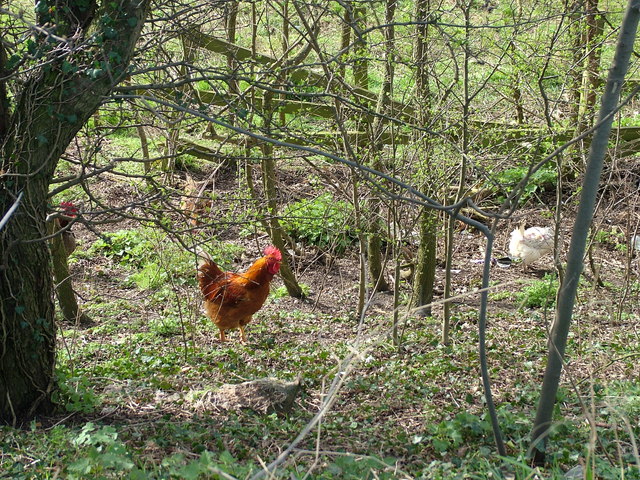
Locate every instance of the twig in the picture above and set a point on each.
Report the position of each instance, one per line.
(12, 209)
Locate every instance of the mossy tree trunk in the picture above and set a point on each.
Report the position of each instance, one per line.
(368, 146)
(425, 270)
(277, 234)
(591, 78)
(57, 98)
(269, 182)
(27, 333)
(384, 106)
(63, 285)
(275, 229)
(586, 27)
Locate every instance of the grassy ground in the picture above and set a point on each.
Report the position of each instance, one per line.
(131, 381)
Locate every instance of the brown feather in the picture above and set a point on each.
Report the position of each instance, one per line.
(230, 299)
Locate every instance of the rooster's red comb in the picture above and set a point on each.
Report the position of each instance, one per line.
(69, 208)
(272, 251)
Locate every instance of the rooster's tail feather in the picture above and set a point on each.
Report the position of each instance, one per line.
(208, 272)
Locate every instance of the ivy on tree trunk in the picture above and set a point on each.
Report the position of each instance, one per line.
(63, 89)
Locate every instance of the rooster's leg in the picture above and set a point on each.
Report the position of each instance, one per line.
(222, 337)
(243, 337)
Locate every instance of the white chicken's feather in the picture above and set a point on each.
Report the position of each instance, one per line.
(531, 244)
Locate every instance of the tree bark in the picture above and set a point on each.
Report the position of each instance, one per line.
(63, 286)
(462, 177)
(369, 146)
(269, 178)
(425, 273)
(361, 55)
(591, 80)
(54, 103)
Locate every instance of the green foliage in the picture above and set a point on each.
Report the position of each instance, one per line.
(146, 363)
(128, 247)
(75, 393)
(207, 464)
(166, 326)
(456, 441)
(621, 404)
(543, 179)
(156, 260)
(355, 467)
(450, 434)
(281, 291)
(323, 221)
(188, 163)
(540, 293)
(103, 453)
(499, 295)
(612, 238)
(151, 276)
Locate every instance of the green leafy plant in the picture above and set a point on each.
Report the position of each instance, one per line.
(281, 291)
(612, 238)
(450, 434)
(322, 221)
(155, 261)
(75, 393)
(128, 247)
(360, 467)
(104, 452)
(206, 466)
(543, 179)
(166, 326)
(541, 293)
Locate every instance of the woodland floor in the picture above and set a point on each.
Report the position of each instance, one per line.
(406, 412)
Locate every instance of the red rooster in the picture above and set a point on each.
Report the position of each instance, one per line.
(230, 299)
(69, 212)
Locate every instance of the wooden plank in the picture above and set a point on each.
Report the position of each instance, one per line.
(286, 106)
(325, 139)
(297, 74)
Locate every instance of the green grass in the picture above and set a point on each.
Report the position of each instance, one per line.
(127, 387)
(141, 373)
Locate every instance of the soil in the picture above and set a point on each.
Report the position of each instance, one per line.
(333, 283)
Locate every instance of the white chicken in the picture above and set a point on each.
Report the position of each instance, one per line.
(531, 244)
